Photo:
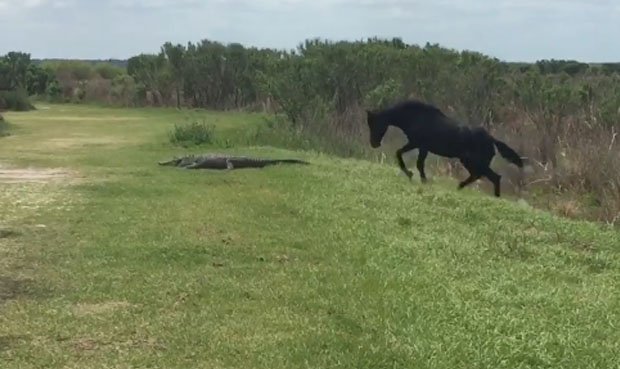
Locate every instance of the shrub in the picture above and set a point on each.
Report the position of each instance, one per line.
(54, 91)
(192, 133)
(4, 127)
(383, 95)
(15, 100)
(123, 90)
(108, 71)
(97, 89)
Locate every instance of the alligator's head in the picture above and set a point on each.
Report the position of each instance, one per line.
(171, 162)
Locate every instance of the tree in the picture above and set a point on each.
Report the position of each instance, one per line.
(175, 55)
(16, 68)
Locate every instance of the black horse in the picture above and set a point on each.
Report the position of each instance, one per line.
(428, 129)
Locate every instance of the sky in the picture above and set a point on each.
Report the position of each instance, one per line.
(512, 30)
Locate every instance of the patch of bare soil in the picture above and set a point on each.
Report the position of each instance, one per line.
(70, 142)
(36, 175)
(26, 191)
(73, 118)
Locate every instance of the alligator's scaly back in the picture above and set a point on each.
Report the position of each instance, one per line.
(217, 161)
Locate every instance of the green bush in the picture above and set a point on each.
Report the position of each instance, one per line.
(108, 71)
(4, 127)
(54, 91)
(15, 100)
(279, 132)
(124, 90)
(192, 133)
(384, 94)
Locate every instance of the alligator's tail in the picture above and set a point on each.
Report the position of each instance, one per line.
(508, 153)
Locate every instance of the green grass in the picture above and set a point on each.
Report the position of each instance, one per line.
(343, 263)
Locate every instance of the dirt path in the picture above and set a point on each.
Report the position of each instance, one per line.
(36, 175)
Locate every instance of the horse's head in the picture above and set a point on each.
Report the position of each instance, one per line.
(377, 127)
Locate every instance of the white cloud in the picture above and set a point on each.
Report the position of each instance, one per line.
(33, 3)
(61, 4)
(17, 4)
(155, 4)
(12, 8)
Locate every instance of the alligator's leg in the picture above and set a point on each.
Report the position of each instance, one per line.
(229, 164)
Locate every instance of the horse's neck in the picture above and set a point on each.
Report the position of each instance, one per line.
(404, 122)
(405, 118)
(393, 118)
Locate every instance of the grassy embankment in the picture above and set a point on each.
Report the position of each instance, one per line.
(118, 262)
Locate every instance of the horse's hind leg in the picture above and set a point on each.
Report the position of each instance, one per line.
(485, 169)
(495, 179)
(399, 156)
(422, 154)
(473, 173)
(471, 179)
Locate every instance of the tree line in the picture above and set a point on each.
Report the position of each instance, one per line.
(209, 74)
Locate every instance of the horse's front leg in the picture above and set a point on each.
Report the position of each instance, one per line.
(422, 154)
(399, 156)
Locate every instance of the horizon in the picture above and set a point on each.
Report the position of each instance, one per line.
(105, 59)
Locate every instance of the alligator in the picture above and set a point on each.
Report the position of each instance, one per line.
(218, 161)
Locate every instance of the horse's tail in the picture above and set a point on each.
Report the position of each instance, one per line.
(508, 153)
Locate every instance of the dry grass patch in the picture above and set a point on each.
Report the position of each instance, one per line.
(36, 175)
(68, 118)
(79, 141)
(27, 191)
